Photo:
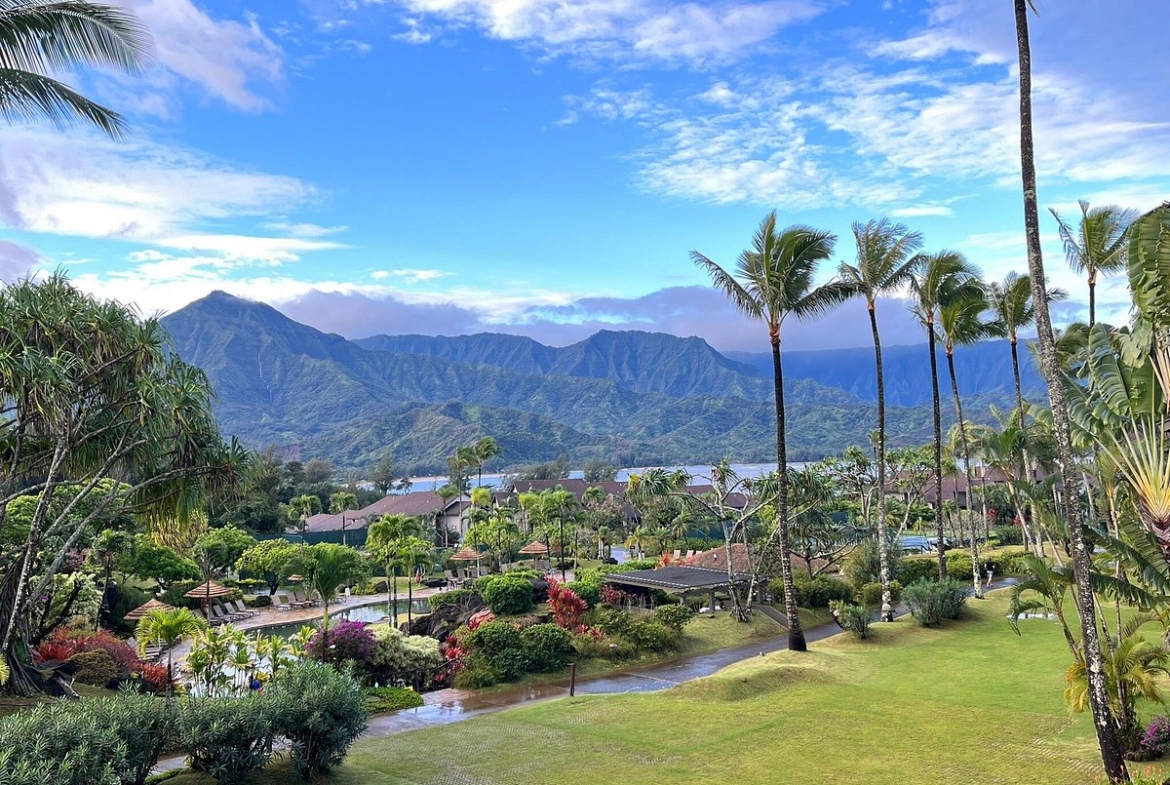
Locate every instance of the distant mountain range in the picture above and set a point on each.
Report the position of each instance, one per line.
(632, 398)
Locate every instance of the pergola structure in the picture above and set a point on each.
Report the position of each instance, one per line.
(681, 581)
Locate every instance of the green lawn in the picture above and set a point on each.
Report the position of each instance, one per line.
(970, 702)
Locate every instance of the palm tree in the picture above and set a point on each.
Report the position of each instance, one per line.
(46, 36)
(775, 279)
(167, 626)
(885, 262)
(1097, 245)
(1103, 720)
(960, 323)
(327, 567)
(940, 278)
(483, 451)
(384, 540)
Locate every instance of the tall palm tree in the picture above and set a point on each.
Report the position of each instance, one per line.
(38, 37)
(1097, 245)
(885, 262)
(483, 451)
(383, 540)
(1103, 720)
(960, 323)
(939, 279)
(167, 626)
(774, 279)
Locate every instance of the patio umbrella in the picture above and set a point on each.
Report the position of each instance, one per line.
(468, 554)
(205, 591)
(536, 548)
(146, 608)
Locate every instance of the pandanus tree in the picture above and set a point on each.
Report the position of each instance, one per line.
(774, 279)
(885, 263)
(1098, 694)
(168, 627)
(92, 394)
(1097, 245)
(939, 279)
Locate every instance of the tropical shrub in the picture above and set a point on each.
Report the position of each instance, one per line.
(817, 592)
(932, 601)
(383, 699)
(453, 597)
(397, 655)
(864, 565)
(566, 606)
(345, 641)
(65, 642)
(870, 595)
(650, 635)
(229, 738)
(320, 711)
(921, 568)
(547, 646)
(1008, 535)
(507, 595)
(1156, 739)
(499, 645)
(146, 726)
(52, 744)
(588, 589)
(97, 668)
(674, 616)
(851, 618)
(477, 673)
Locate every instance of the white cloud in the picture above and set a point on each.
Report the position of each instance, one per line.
(920, 210)
(418, 276)
(225, 58)
(85, 185)
(629, 30)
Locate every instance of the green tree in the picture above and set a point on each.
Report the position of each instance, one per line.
(325, 568)
(775, 280)
(41, 37)
(168, 627)
(342, 501)
(268, 559)
(160, 563)
(1103, 722)
(885, 262)
(218, 550)
(384, 541)
(960, 323)
(1098, 244)
(939, 279)
(318, 471)
(93, 394)
(384, 475)
(481, 452)
(597, 470)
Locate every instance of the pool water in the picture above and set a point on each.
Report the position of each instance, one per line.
(369, 614)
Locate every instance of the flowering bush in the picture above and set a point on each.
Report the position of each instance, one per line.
(65, 642)
(346, 641)
(566, 606)
(153, 674)
(615, 598)
(401, 656)
(1156, 739)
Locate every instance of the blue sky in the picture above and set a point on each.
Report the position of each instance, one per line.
(541, 167)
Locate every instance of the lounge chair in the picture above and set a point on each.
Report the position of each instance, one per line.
(211, 618)
(222, 614)
(452, 581)
(301, 602)
(677, 554)
(243, 609)
(281, 603)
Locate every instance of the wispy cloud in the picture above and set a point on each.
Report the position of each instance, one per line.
(629, 31)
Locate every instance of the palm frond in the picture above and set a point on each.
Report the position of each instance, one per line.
(28, 96)
(49, 35)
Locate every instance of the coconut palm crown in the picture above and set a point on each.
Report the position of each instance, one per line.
(42, 37)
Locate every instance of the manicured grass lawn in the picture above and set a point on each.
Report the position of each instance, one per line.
(970, 702)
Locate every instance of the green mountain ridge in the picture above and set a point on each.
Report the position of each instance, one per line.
(283, 383)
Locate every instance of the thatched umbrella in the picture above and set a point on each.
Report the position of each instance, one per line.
(146, 608)
(534, 549)
(468, 554)
(206, 591)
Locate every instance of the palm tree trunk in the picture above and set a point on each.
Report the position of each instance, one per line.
(1092, 297)
(796, 641)
(1103, 720)
(883, 544)
(938, 475)
(1037, 548)
(975, 582)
